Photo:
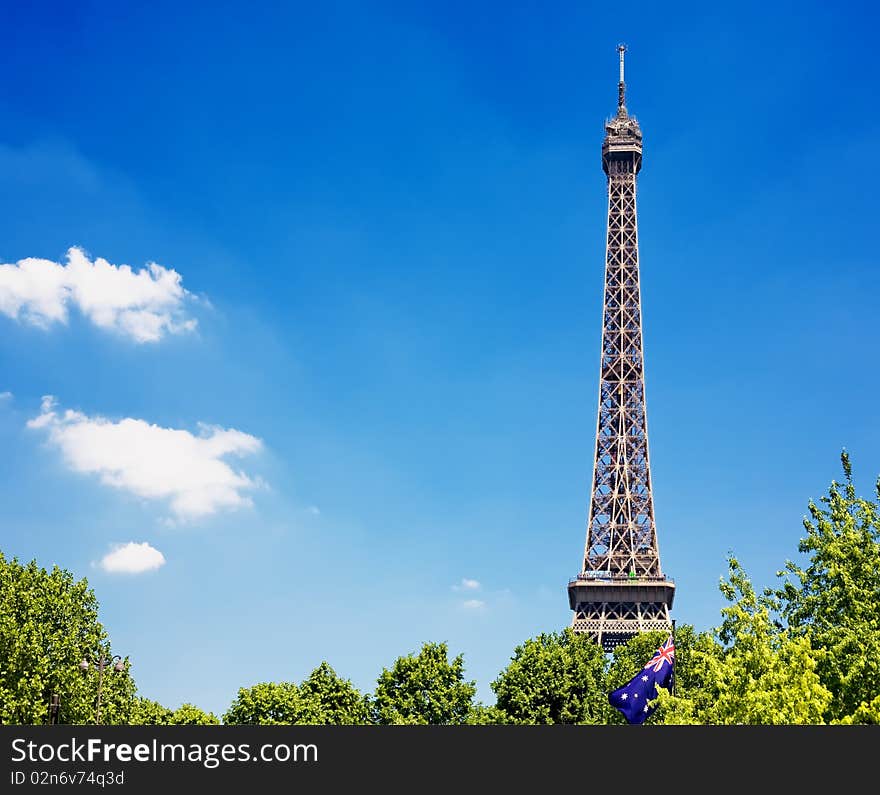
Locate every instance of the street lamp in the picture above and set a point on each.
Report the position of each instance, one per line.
(54, 709)
(102, 662)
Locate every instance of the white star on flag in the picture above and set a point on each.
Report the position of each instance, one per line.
(623, 697)
(635, 695)
(644, 678)
(646, 708)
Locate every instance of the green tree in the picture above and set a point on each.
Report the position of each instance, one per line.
(674, 710)
(554, 678)
(482, 715)
(145, 712)
(48, 625)
(865, 713)
(326, 698)
(760, 673)
(835, 599)
(189, 715)
(266, 703)
(426, 688)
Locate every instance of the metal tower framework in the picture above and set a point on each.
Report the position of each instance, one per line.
(621, 590)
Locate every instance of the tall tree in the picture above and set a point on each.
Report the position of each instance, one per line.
(324, 698)
(835, 598)
(483, 715)
(554, 678)
(190, 715)
(760, 673)
(868, 712)
(266, 703)
(48, 625)
(425, 688)
(146, 712)
(327, 698)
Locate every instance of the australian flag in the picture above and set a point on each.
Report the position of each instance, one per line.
(632, 699)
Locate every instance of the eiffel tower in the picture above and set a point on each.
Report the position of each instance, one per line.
(621, 590)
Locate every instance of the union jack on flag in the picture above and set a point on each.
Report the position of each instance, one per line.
(665, 654)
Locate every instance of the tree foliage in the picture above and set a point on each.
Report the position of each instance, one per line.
(483, 715)
(146, 712)
(48, 625)
(323, 698)
(328, 699)
(265, 704)
(761, 674)
(425, 688)
(866, 712)
(753, 671)
(190, 715)
(835, 598)
(554, 678)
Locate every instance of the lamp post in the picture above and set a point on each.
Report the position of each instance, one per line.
(54, 708)
(102, 662)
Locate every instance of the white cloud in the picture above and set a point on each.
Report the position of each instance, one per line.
(314, 510)
(473, 604)
(153, 462)
(143, 305)
(5, 395)
(132, 558)
(467, 585)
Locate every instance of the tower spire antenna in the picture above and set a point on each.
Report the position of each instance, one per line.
(621, 85)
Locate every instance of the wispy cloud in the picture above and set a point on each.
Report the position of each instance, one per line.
(142, 305)
(153, 462)
(132, 558)
(467, 584)
(473, 604)
(5, 396)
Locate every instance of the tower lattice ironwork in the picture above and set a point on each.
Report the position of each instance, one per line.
(621, 590)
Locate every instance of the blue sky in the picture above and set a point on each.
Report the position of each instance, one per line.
(374, 375)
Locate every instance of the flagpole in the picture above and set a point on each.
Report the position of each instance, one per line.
(673, 646)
